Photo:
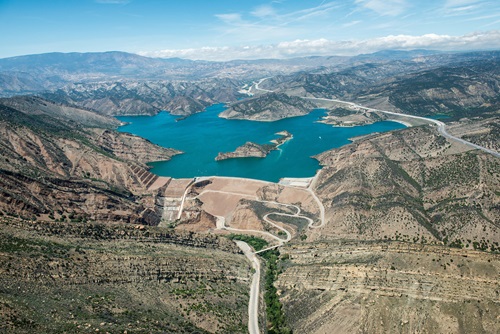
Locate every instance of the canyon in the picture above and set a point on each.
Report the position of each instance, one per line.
(397, 232)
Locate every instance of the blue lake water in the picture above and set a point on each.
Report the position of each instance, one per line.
(202, 136)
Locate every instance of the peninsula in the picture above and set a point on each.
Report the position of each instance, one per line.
(254, 150)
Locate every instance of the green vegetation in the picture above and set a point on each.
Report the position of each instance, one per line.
(12, 244)
(274, 310)
(256, 242)
(462, 170)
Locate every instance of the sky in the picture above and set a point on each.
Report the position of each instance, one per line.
(235, 29)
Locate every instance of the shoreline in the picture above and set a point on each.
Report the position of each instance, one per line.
(408, 125)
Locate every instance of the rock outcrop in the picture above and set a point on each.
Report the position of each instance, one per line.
(253, 150)
(247, 150)
(347, 286)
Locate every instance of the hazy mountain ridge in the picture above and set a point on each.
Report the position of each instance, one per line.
(49, 71)
(42, 72)
(372, 71)
(459, 84)
(148, 98)
(119, 83)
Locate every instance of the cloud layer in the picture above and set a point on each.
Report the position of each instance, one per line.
(323, 47)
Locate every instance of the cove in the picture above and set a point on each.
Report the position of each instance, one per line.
(203, 135)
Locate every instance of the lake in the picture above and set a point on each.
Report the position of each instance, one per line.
(202, 136)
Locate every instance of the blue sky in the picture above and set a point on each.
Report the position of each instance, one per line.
(223, 29)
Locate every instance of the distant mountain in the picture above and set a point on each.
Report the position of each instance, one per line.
(37, 73)
(398, 54)
(115, 83)
(41, 72)
(148, 98)
(112, 62)
(464, 84)
(461, 90)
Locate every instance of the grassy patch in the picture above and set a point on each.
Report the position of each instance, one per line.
(276, 322)
(256, 242)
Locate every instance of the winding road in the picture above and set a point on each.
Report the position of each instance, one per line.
(441, 127)
(253, 305)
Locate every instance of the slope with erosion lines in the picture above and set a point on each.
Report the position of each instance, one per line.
(81, 278)
(412, 185)
(53, 168)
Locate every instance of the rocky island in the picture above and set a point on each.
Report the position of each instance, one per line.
(254, 150)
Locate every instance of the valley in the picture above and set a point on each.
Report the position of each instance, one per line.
(397, 230)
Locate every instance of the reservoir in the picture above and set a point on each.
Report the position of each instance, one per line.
(202, 136)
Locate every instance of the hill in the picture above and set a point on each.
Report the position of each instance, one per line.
(268, 107)
(53, 166)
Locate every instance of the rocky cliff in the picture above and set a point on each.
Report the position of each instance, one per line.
(378, 287)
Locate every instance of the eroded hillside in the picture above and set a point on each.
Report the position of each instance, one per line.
(410, 245)
(411, 184)
(397, 287)
(268, 107)
(81, 278)
(53, 168)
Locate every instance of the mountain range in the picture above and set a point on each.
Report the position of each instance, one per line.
(91, 240)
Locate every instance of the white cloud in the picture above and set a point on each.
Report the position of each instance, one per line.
(230, 18)
(462, 7)
(460, 3)
(263, 11)
(350, 24)
(325, 47)
(384, 7)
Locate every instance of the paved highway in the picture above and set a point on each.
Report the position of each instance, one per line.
(441, 127)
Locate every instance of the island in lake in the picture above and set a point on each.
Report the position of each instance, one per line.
(254, 150)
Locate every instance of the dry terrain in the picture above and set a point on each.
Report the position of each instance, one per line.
(411, 242)
(241, 204)
(410, 184)
(389, 287)
(82, 278)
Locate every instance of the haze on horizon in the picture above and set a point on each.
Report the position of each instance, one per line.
(225, 30)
